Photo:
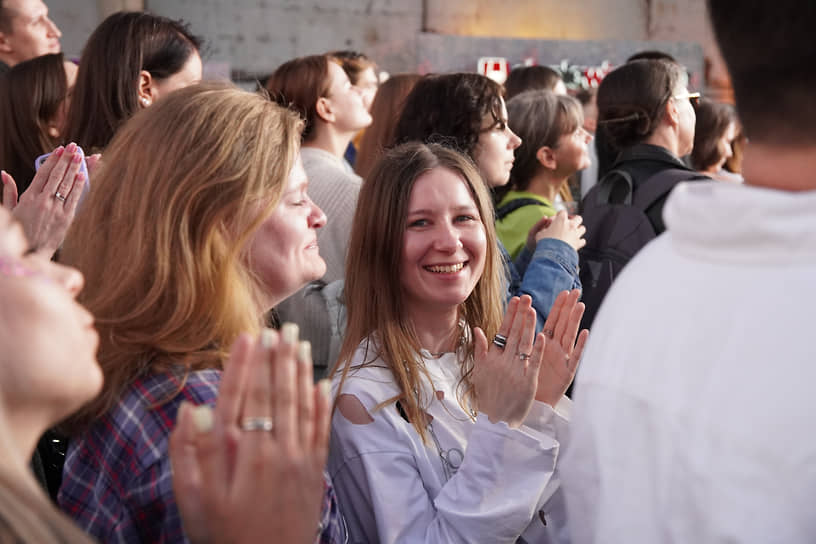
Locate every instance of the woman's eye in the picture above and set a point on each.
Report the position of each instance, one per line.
(501, 125)
(463, 218)
(418, 223)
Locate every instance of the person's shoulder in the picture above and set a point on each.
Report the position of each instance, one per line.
(369, 377)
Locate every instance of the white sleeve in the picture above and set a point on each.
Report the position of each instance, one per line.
(377, 469)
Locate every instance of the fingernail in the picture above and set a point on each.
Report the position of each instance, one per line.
(77, 158)
(304, 353)
(289, 332)
(60, 150)
(202, 418)
(71, 147)
(80, 176)
(267, 338)
(325, 388)
(3, 175)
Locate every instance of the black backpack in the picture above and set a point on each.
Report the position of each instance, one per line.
(617, 227)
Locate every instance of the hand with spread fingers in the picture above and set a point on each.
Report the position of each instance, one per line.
(561, 353)
(505, 371)
(47, 208)
(253, 467)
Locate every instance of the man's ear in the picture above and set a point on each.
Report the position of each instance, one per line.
(5, 44)
(546, 157)
(670, 112)
(147, 89)
(324, 109)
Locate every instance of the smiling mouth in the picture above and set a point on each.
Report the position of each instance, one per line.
(445, 268)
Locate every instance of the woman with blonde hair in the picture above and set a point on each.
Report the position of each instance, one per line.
(198, 224)
(438, 436)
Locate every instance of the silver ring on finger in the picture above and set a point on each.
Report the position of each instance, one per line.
(500, 341)
(251, 424)
(523, 356)
(59, 196)
(549, 333)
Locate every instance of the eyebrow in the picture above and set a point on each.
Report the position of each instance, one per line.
(423, 211)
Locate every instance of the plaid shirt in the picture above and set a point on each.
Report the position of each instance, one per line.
(117, 482)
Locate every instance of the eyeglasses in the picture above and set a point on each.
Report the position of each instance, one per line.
(694, 98)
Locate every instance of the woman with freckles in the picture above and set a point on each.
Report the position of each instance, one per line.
(448, 416)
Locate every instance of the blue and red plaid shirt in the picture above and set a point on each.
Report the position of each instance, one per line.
(117, 482)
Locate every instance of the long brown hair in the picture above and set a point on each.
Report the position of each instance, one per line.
(385, 110)
(162, 239)
(373, 292)
(33, 93)
(106, 92)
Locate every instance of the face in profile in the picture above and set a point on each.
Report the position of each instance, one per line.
(687, 120)
(572, 151)
(724, 145)
(33, 34)
(367, 84)
(47, 339)
(283, 253)
(493, 153)
(444, 244)
(345, 102)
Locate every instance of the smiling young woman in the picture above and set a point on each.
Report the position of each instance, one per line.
(425, 405)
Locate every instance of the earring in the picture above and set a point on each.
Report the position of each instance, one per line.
(145, 101)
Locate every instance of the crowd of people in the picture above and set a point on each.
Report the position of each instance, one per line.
(340, 309)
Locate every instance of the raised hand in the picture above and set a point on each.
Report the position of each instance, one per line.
(562, 227)
(561, 353)
(47, 208)
(254, 467)
(505, 377)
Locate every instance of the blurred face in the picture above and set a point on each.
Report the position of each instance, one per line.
(190, 74)
(493, 153)
(346, 102)
(47, 340)
(572, 152)
(57, 124)
(724, 144)
(444, 244)
(367, 85)
(687, 119)
(33, 33)
(284, 252)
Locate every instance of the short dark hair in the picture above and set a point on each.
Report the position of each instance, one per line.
(298, 84)
(651, 54)
(450, 109)
(713, 119)
(631, 100)
(33, 91)
(539, 118)
(530, 78)
(6, 16)
(121, 47)
(353, 63)
(769, 48)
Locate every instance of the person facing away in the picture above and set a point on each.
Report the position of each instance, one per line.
(694, 408)
(26, 32)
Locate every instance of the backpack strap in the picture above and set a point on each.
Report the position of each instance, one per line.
(515, 204)
(616, 187)
(661, 183)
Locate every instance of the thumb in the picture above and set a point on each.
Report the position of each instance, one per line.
(9, 191)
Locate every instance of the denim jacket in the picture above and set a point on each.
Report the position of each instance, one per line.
(552, 268)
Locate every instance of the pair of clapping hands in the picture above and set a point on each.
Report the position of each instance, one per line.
(253, 466)
(47, 208)
(518, 366)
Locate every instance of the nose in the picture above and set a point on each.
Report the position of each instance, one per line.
(446, 238)
(66, 276)
(317, 219)
(515, 141)
(53, 29)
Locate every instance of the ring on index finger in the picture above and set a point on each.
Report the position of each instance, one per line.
(59, 196)
(523, 356)
(500, 341)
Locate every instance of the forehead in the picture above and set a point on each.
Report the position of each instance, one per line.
(438, 188)
(337, 74)
(25, 8)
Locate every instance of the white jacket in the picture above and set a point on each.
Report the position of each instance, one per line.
(695, 403)
(393, 488)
